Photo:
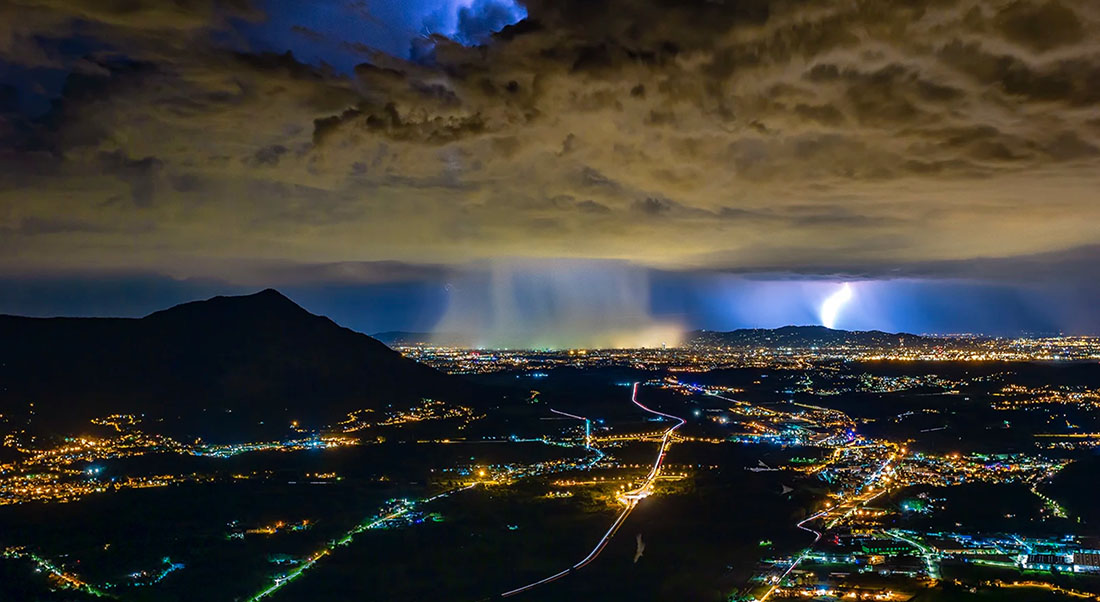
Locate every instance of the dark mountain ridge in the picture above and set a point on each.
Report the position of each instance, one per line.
(216, 365)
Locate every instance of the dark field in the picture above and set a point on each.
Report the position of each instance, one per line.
(705, 530)
(701, 540)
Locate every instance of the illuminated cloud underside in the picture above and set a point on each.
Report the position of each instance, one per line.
(821, 138)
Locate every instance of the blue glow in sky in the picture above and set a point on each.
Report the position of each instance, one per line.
(342, 33)
(727, 302)
(693, 300)
(337, 33)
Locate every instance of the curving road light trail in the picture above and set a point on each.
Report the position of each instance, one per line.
(630, 499)
(587, 427)
(801, 556)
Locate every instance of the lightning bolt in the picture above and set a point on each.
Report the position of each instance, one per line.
(830, 309)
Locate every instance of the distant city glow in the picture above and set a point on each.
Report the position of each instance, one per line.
(830, 309)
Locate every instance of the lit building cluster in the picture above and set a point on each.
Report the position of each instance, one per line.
(956, 469)
(849, 529)
(872, 383)
(238, 532)
(705, 353)
(290, 445)
(1019, 397)
(427, 409)
(1068, 441)
(865, 547)
(75, 468)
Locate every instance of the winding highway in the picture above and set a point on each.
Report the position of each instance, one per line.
(630, 499)
(801, 555)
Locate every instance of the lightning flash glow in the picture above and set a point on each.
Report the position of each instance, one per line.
(830, 309)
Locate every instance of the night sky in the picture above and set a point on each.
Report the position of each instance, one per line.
(557, 172)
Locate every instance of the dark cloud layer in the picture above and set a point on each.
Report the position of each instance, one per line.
(808, 137)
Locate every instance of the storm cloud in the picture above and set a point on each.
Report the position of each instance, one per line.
(806, 137)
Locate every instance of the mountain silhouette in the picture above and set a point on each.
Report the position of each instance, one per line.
(216, 366)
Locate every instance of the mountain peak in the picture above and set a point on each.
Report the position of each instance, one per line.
(268, 303)
(269, 293)
(249, 360)
(271, 298)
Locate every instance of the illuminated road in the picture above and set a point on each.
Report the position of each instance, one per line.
(817, 537)
(931, 559)
(801, 556)
(873, 487)
(630, 500)
(837, 514)
(379, 521)
(282, 580)
(69, 580)
(587, 426)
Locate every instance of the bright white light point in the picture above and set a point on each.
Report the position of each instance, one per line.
(830, 309)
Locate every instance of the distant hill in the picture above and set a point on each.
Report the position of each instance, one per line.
(216, 366)
(401, 337)
(787, 336)
(801, 337)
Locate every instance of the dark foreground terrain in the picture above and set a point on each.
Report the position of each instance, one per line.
(273, 455)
